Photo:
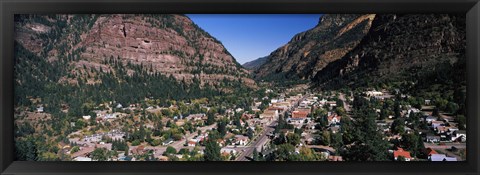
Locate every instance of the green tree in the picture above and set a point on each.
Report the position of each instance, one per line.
(100, 154)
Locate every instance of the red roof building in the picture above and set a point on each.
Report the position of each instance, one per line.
(299, 115)
(400, 152)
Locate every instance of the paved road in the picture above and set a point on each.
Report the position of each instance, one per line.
(180, 144)
(446, 146)
(257, 144)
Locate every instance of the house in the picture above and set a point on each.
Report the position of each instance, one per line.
(299, 115)
(459, 135)
(400, 152)
(110, 116)
(333, 119)
(221, 142)
(40, 109)
(432, 138)
(429, 119)
(335, 158)
(87, 117)
(331, 103)
(269, 114)
(374, 93)
(241, 140)
(119, 106)
(441, 157)
(436, 124)
(335, 129)
(80, 158)
(196, 117)
(167, 142)
(441, 129)
(430, 151)
(227, 151)
(192, 143)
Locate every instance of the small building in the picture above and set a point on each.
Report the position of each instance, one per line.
(167, 142)
(441, 157)
(333, 119)
(87, 117)
(40, 109)
(402, 153)
(80, 158)
(192, 143)
(432, 138)
(459, 135)
(241, 140)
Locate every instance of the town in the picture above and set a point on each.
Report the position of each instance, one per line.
(287, 124)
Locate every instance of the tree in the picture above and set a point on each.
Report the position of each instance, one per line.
(293, 139)
(222, 128)
(325, 138)
(255, 155)
(170, 150)
(461, 122)
(212, 151)
(210, 118)
(398, 126)
(436, 112)
(250, 133)
(100, 154)
(284, 152)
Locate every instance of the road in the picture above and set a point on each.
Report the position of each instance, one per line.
(257, 144)
(345, 104)
(180, 143)
(446, 146)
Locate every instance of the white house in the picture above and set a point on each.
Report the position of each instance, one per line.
(459, 135)
(40, 109)
(82, 159)
(441, 157)
(87, 117)
(241, 140)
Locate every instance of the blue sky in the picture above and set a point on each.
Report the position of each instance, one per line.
(250, 36)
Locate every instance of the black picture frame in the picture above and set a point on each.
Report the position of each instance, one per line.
(9, 7)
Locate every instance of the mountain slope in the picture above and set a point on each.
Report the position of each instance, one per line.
(169, 44)
(399, 48)
(255, 64)
(310, 51)
(126, 58)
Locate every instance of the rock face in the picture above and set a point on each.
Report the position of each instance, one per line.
(255, 64)
(401, 47)
(168, 44)
(310, 51)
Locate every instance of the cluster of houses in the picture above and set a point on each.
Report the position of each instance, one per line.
(444, 131)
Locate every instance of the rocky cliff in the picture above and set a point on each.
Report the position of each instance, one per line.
(168, 44)
(415, 48)
(310, 51)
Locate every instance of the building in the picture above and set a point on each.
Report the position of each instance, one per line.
(374, 93)
(241, 140)
(87, 117)
(40, 109)
(269, 114)
(432, 138)
(299, 115)
(441, 157)
(459, 135)
(192, 143)
(402, 153)
(333, 119)
(167, 142)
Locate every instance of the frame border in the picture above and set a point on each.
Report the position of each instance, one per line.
(9, 7)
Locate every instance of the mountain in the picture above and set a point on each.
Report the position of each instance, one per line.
(99, 58)
(421, 49)
(170, 44)
(255, 64)
(310, 51)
